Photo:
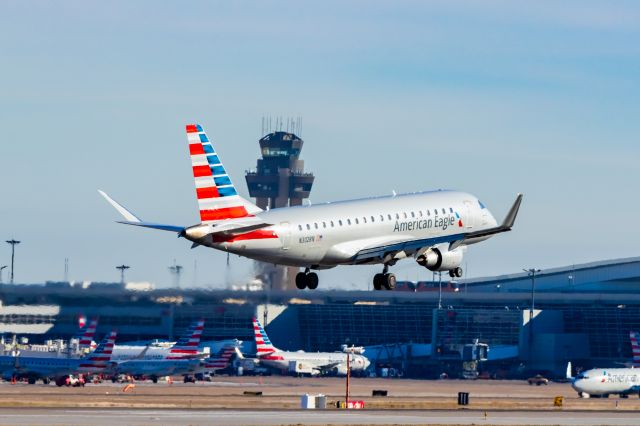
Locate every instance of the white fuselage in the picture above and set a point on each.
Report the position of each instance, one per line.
(44, 366)
(605, 381)
(281, 360)
(331, 234)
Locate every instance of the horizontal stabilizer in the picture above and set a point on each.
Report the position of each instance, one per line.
(159, 226)
(132, 219)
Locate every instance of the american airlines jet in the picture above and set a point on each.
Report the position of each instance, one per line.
(433, 227)
(316, 362)
(601, 382)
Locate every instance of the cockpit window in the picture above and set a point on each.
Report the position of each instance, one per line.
(481, 205)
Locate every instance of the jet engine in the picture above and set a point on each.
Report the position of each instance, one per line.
(434, 259)
(341, 370)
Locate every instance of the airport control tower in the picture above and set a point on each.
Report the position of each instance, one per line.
(279, 181)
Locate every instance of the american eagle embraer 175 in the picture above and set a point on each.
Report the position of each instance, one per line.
(432, 227)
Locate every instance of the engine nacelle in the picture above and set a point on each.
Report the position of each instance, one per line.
(435, 260)
(341, 370)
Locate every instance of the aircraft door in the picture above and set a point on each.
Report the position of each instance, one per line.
(285, 236)
(468, 220)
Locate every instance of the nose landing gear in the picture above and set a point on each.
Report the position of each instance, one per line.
(307, 279)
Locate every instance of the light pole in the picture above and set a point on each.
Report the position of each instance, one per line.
(532, 273)
(13, 243)
(2, 269)
(439, 289)
(122, 269)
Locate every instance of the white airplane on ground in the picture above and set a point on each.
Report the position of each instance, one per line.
(432, 227)
(185, 347)
(45, 368)
(181, 359)
(313, 362)
(601, 382)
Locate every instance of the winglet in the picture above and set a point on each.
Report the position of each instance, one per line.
(130, 217)
(510, 218)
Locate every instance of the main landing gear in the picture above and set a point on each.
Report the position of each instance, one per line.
(455, 272)
(385, 279)
(307, 279)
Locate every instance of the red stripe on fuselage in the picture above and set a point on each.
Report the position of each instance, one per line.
(223, 213)
(260, 234)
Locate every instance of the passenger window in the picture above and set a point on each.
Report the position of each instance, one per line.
(405, 214)
(420, 213)
(332, 224)
(357, 223)
(450, 210)
(397, 216)
(444, 211)
(428, 212)
(324, 224)
(340, 222)
(413, 214)
(381, 218)
(389, 216)
(315, 225)
(372, 219)
(348, 221)
(308, 226)
(435, 212)
(300, 227)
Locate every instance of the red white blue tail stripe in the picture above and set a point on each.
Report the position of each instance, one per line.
(635, 349)
(187, 345)
(98, 359)
(217, 196)
(86, 338)
(223, 360)
(263, 344)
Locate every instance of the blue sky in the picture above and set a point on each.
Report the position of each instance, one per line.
(492, 97)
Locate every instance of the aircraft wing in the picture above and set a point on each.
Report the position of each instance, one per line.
(379, 252)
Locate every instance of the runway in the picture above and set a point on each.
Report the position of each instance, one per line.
(109, 417)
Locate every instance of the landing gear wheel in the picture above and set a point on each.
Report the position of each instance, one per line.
(452, 274)
(389, 281)
(377, 281)
(31, 380)
(312, 280)
(458, 272)
(301, 280)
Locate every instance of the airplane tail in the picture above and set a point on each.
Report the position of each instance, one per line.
(217, 196)
(187, 345)
(86, 337)
(99, 358)
(223, 360)
(635, 349)
(263, 344)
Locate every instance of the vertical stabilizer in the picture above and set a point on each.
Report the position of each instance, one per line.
(263, 344)
(217, 196)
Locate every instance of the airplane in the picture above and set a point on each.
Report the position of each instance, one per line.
(181, 359)
(185, 347)
(433, 227)
(219, 362)
(312, 362)
(601, 382)
(45, 368)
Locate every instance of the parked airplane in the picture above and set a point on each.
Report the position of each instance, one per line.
(307, 362)
(185, 347)
(602, 382)
(181, 359)
(432, 227)
(45, 368)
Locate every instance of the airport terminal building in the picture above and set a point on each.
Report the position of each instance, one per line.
(581, 313)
